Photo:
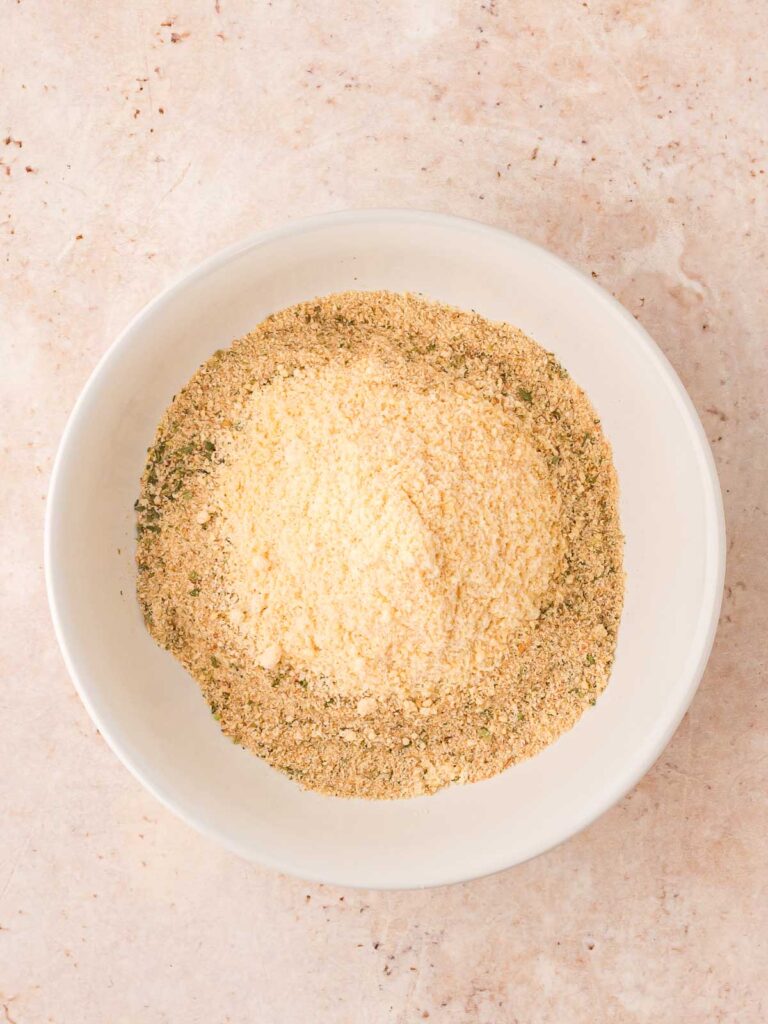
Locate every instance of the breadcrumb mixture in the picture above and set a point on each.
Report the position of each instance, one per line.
(383, 536)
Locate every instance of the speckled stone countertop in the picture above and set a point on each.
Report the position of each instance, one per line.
(627, 136)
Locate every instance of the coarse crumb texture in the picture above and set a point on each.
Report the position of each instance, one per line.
(382, 534)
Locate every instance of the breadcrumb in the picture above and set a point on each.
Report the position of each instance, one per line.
(382, 534)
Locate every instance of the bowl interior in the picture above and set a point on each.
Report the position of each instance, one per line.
(152, 713)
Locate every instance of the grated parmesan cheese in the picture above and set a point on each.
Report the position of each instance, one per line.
(383, 537)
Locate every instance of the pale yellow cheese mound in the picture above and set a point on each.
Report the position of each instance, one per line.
(380, 536)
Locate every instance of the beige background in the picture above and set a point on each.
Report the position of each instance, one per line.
(137, 138)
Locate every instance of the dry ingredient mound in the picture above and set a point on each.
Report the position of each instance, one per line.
(383, 536)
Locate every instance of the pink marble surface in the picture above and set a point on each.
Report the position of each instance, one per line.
(627, 136)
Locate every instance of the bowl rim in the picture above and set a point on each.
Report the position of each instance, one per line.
(712, 590)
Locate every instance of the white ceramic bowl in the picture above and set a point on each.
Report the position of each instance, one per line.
(151, 712)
